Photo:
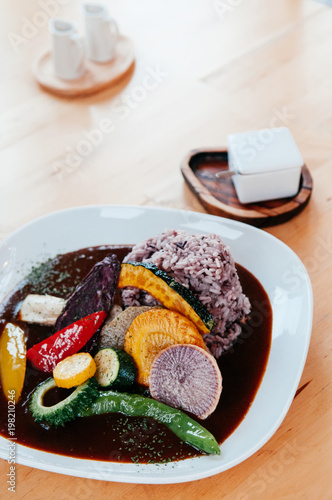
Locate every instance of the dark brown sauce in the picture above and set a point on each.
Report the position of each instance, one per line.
(127, 439)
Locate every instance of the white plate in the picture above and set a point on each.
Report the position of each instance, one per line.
(276, 266)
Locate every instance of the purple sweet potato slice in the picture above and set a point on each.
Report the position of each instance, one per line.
(95, 292)
(186, 376)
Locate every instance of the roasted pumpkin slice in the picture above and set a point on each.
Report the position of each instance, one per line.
(153, 331)
(167, 291)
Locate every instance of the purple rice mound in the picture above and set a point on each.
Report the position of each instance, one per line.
(203, 264)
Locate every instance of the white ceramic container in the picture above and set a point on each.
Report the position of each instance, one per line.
(267, 164)
(101, 32)
(67, 49)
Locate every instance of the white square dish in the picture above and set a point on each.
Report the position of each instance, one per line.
(274, 264)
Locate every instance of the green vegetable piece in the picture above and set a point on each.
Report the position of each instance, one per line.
(65, 410)
(134, 405)
(115, 369)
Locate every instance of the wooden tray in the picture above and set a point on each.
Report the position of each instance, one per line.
(218, 196)
(97, 76)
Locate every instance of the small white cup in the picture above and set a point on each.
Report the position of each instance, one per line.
(67, 49)
(101, 32)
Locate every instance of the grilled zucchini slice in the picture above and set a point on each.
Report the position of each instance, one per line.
(115, 369)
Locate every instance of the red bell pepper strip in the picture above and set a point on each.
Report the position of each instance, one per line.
(47, 354)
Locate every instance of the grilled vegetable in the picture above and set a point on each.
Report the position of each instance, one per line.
(68, 409)
(113, 332)
(186, 377)
(114, 312)
(41, 309)
(12, 361)
(49, 352)
(153, 331)
(115, 369)
(74, 370)
(134, 405)
(167, 291)
(95, 293)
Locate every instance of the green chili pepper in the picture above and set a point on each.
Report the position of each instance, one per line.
(134, 405)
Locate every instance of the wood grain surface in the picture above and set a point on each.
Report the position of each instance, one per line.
(204, 69)
(218, 195)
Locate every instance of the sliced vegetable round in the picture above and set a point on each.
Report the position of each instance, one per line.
(114, 330)
(64, 411)
(186, 377)
(153, 331)
(167, 291)
(74, 370)
(115, 369)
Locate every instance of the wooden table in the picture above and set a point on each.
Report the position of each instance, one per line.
(203, 69)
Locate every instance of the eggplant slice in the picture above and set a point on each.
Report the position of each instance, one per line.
(95, 293)
(186, 376)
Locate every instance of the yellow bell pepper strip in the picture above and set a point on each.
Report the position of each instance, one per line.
(12, 361)
(66, 342)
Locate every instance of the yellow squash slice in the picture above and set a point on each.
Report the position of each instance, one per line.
(74, 370)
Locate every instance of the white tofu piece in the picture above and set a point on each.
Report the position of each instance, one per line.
(41, 309)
